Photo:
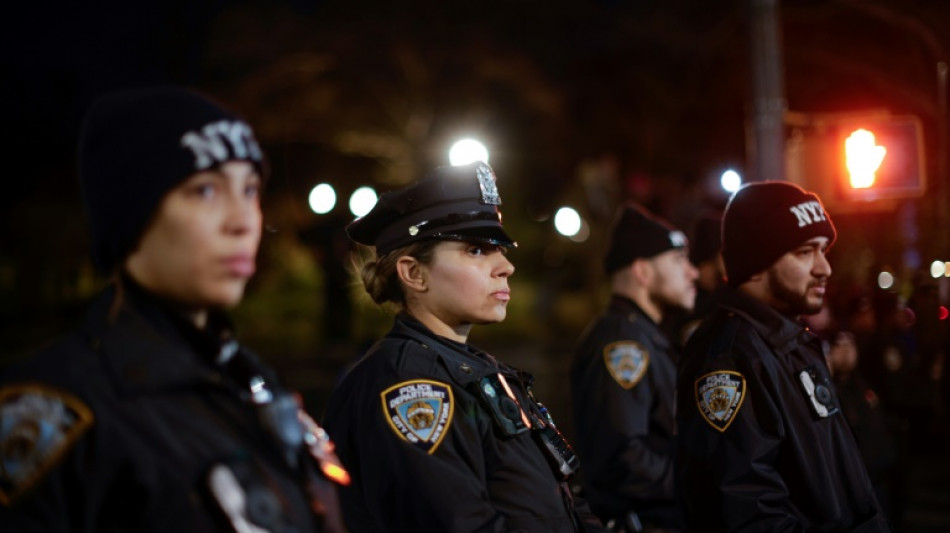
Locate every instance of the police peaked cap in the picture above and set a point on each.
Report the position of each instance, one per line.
(456, 203)
(138, 144)
(638, 234)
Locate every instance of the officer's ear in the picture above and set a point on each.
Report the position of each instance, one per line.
(412, 273)
(642, 270)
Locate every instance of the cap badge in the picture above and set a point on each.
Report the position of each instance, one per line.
(486, 182)
(677, 239)
(413, 230)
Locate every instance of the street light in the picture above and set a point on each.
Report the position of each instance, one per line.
(362, 201)
(938, 269)
(567, 222)
(885, 280)
(730, 181)
(467, 151)
(322, 199)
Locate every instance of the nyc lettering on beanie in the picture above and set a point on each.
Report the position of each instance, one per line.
(765, 220)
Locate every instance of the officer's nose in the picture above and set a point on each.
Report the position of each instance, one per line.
(504, 268)
(243, 209)
(821, 268)
(692, 273)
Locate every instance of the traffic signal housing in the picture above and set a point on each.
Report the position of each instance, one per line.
(857, 161)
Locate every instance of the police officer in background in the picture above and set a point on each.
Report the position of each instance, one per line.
(763, 444)
(151, 417)
(624, 373)
(439, 435)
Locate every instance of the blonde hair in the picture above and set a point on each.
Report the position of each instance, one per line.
(379, 274)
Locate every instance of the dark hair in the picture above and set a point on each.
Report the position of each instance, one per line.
(379, 275)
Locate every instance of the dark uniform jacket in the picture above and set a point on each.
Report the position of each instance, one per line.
(763, 444)
(127, 424)
(623, 379)
(435, 442)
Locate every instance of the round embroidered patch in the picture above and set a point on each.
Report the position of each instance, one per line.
(38, 425)
(419, 411)
(627, 362)
(719, 396)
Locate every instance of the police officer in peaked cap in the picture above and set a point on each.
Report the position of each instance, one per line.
(440, 435)
(151, 416)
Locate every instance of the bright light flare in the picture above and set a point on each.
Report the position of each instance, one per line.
(362, 201)
(322, 199)
(567, 222)
(938, 269)
(885, 280)
(467, 151)
(864, 158)
(730, 181)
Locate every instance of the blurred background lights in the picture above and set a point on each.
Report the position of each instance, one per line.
(567, 222)
(582, 233)
(885, 280)
(943, 312)
(322, 199)
(362, 200)
(938, 269)
(467, 151)
(730, 181)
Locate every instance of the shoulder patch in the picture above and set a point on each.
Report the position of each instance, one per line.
(38, 425)
(419, 411)
(627, 362)
(719, 396)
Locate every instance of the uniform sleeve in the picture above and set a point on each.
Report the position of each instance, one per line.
(43, 434)
(731, 432)
(417, 463)
(49, 507)
(612, 421)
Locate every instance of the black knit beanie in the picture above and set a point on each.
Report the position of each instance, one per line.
(138, 144)
(765, 220)
(635, 233)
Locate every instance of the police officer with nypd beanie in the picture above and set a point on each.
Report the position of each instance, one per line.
(439, 435)
(623, 377)
(150, 416)
(763, 444)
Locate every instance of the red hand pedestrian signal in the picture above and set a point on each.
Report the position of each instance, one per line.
(864, 157)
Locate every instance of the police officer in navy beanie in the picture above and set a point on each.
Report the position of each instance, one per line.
(151, 416)
(623, 376)
(765, 220)
(137, 144)
(763, 444)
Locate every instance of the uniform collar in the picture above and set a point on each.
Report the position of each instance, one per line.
(623, 306)
(464, 362)
(780, 332)
(148, 346)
